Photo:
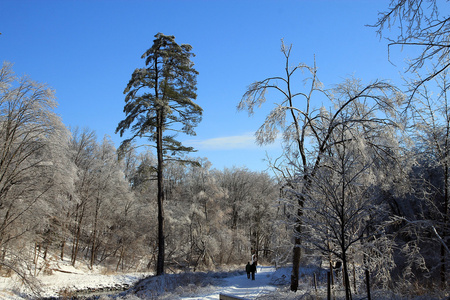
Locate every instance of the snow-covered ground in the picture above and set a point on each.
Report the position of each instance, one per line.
(68, 279)
(65, 279)
(199, 285)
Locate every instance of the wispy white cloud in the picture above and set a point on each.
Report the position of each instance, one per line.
(236, 142)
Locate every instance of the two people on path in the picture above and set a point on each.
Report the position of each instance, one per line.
(251, 268)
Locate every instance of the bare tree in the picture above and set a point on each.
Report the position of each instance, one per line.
(250, 202)
(111, 190)
(29, 163)
(341, 209)
(430, 128)
(83, 146)
(144, 186)
(301, 123)
(420, 25)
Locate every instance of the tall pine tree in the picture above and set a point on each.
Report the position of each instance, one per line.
(159, 100)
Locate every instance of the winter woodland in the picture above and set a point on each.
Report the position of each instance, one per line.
(362, 184)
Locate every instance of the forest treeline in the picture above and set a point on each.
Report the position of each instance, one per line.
(65, 194)
(380, 199)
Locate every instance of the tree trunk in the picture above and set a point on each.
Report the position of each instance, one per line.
(121, 258)
(63, 245)
(445, 232)
(328, 285)
(348, 294)
(77, 237)
(369, 297)
(37, 251)
(296, 260)
(159, 146)
(331, 263)
(45, 251)
(94, 234)
(296, 256)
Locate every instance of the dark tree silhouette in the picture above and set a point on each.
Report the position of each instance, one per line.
(159, 98)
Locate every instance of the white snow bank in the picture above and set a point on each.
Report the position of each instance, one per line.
(55, 284)
(65, 279)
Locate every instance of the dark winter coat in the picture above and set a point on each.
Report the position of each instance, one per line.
(248, 268)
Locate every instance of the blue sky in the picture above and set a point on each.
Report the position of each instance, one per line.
(87, 51)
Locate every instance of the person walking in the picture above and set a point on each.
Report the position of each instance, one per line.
(253, 270)
(255, 261)
(248, 269)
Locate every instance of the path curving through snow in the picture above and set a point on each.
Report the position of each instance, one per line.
(242, 287)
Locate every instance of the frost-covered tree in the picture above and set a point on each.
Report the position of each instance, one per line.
(82, 146)
(145, 227)
(112, 192)
(293, 123)
(31, 152)
(160, 99)
(430, 129)
(217, 217)
(100, 197)
(342, 211)
(250, 204)
(305, 138)
(196, 214)
(423, 26)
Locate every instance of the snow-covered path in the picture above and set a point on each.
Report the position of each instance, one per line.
(79, 279)
(242, 287)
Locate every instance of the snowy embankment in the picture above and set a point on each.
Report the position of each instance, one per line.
(65, 280)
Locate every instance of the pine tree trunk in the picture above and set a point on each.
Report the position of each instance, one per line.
(369, 297)
(159, 146)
